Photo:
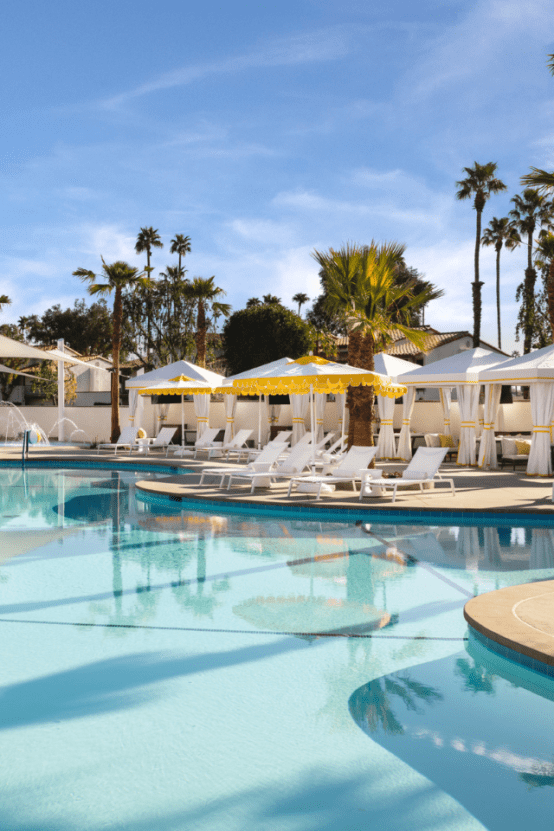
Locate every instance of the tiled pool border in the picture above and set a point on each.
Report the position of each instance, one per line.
(512, 654)
(70, 464)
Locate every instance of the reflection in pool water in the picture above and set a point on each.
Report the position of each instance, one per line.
(204, 672)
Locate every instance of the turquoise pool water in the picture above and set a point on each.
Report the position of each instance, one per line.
(165, 669)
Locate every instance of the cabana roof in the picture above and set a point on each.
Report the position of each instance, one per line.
(165, 373)
(462, 368)
(390, 365)
(530, 368)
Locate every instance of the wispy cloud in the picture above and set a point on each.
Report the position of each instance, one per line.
(317, 46)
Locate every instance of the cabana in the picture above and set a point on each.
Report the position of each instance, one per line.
(535, 370)
(393, 367)
(190, 371)
(460, 371)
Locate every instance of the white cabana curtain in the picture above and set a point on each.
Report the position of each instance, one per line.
(340, 401)
(487, 451)
(202, 410)
(320, 402)
(542, 410)
(230, 410)
(468, 402)
(300, 405)
(404, 440)
(386, 445)
(445, 395)
(161, 411)
(265, 420)
(136, 405)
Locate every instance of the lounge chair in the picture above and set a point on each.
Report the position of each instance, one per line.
(350, 469)
(283, 437)
(237, 443)
(422, 470)
(206, 440)
(163, 440)
(263, 463)
(292, 465)
(127, 440)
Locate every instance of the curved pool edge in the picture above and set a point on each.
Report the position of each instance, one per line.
(517, 622)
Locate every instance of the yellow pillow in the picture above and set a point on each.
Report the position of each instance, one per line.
(523, 448)
(141, 434)
(446, 441)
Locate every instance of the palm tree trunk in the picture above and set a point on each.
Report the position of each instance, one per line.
(550, 296)
(498, 249)
(360, 399)
(476, 287)
(529, 295)
(116, 346)
(201, 335)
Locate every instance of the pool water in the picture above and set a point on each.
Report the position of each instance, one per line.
(168, 669)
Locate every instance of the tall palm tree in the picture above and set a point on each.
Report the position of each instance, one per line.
(480, 183)
(180, 245)
(361, 287)
(4, 301)
(300, 298)
(500, 232)
(545, 259)
(530, 210)
(114, 278)
(147, 239)
(204, 294)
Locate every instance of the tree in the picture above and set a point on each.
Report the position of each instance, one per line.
(301, 299)
(117, 278)
(530, 210)
(260, 334)
(479, 183)
(180, 245)
(542, 180)
(203, 294)
(361, 288)
(253, 301)
(147, 239)
(4, 301)
(500, 232)
(8, 382)
(545, 261)
(271, 299)
(47, 386)
(88, 330)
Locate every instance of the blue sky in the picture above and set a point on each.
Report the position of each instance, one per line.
(264, 131)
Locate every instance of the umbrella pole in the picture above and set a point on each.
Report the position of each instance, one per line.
(259, 422)
(343, 419)
(182, 424)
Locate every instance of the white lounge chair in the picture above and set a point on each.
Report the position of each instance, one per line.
(263, 463)
(237, 443)
(350, 469)
(283, 437)
(163, 440)
(422, 470)
(292, 465)
(126, 440)
(206, 440)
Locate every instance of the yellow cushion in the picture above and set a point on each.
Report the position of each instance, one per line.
(523, 448)
(446, 441)
(141, 434)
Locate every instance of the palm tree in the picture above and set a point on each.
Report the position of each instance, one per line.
(203, 293)
(545, 259)
(180, 245)
(361, 287)
(4, 301)
(271, 299)
(480, 183)
(115, 278)
(300, 298)
(530, 210)
(253, 302)
(500, 232)
(147, 239)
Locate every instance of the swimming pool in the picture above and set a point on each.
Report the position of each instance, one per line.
(169, 669)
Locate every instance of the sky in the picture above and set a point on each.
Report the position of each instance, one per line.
(265, 131)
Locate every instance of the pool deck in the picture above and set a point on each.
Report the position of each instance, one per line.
(518, 618)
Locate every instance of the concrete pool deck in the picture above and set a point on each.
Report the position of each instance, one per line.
(518, 618)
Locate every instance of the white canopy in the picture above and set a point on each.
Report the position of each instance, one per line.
(58, 355)
(176, 369)
(10, 348)
(463, 368)
(536, 366)
(392, 366)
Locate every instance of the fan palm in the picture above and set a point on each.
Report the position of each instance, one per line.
(204, 294)
(480, 183)
(300, 298)
(180, 245)
(500, 232)
(530, 210)
(4, 301)
(116, 278)
(545, 259)
(361, 287)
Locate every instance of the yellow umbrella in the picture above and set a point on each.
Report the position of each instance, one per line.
(178, 386)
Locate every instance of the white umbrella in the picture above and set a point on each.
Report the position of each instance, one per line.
(178, 386)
